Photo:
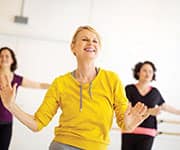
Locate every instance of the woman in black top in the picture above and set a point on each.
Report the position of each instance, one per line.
(142, 137)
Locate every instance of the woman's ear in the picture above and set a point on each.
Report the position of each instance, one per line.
(72, 46)
(72, 49)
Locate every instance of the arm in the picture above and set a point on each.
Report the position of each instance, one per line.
(7, 93)
(25, 118)
(128, 117)
(42, 116)
(33, 84)
(155, 110)
(168, 108)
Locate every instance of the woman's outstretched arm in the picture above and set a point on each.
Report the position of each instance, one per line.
(170, 109)
(8, 93)
(33, 84)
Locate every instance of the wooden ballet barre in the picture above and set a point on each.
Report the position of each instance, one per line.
(168, 133)
(159, 132)
(168, 121)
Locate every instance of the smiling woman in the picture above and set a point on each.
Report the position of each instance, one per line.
(88, 98)
(8, 65)
(85, 45)
(86, 42)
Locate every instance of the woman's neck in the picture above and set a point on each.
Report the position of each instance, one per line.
(85, 73)
(143, 85)
(143, 88)
(5, 71)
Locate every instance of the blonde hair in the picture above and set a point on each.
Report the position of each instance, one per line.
(81, 28)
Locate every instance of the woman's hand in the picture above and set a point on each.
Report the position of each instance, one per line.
(155, 110)
(135, 116)
(7, 92)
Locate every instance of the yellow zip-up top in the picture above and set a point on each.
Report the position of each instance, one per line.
(87, 109)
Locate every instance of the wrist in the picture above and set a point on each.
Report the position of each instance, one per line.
(128, 128)
(150, 112)
(11, 106)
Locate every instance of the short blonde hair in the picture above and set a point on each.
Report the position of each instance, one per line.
(81, 28)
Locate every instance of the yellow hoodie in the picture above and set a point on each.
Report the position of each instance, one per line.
(87, 109)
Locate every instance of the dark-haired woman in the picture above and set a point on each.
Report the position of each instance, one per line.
(143, 136)
(8, 65)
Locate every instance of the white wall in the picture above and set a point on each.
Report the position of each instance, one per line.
(131, 31)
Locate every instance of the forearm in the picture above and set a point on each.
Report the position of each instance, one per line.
(170, 109)
(173, 111)
(150, 111)
(33, 84)
(154, 111)
(44, 85)
(23, 117)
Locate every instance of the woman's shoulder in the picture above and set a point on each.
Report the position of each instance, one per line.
(130, 86)
(63, 76)
(154, 89)
(61, 80)
(109, 72)
(17, 77)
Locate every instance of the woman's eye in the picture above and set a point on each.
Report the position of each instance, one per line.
(95, 41)
(84, 39)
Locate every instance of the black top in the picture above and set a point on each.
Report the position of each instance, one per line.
(151, 99)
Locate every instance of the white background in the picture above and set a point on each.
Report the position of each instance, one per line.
(131, 31)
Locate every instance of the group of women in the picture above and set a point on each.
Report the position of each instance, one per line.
(88, 97)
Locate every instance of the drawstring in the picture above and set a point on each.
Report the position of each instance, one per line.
(90, 84)
(81, 88)
(80, 94)
(90, 90)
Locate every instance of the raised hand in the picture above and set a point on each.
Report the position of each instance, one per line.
(135, 115)
(7, 92)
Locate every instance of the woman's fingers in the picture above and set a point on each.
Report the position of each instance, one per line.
(139, 108)
(128, 110)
